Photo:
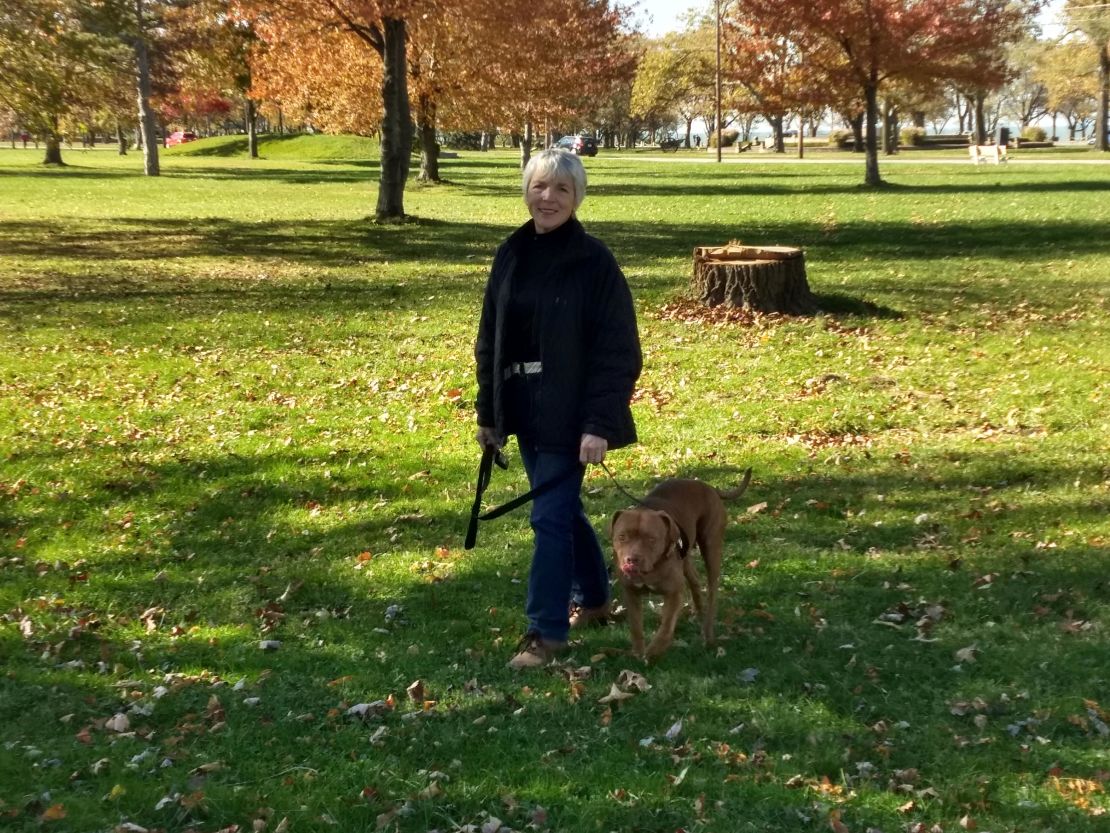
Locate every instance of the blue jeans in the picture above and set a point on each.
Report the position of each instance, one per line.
(567, 563)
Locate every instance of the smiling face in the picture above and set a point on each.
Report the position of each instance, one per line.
(550, 201)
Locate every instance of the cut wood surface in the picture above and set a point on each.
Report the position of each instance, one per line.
(758, 278)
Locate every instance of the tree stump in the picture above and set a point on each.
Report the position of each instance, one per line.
(756, 278)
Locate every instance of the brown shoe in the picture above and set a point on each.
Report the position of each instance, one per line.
(533, 651)
(584, 617)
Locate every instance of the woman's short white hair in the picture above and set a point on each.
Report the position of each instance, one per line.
(557, 164)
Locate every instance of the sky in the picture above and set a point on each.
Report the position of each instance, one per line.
(661, 16)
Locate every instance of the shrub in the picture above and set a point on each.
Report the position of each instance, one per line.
(912, 136)
(842, 139)
(728, 138)
(1032, 133)
(463, 141)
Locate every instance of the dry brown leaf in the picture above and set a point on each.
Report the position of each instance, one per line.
(630, 679)
(835, 824)
(966, 654)
(55, 812)
(615, 695)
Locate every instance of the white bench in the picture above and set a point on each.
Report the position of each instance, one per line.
(987, 153)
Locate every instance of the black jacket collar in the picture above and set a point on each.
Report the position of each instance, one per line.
(576, 237)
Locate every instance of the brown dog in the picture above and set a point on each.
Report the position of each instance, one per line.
(651, 543)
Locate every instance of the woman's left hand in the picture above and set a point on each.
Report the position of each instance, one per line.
(592, 449)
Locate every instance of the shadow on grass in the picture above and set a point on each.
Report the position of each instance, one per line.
(832, 688)
(333, 243)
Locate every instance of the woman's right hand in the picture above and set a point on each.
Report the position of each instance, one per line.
(487, 438)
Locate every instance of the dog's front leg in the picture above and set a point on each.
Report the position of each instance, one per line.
(672, 606)
(634, 610)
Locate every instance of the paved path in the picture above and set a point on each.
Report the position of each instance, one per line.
(786, 159)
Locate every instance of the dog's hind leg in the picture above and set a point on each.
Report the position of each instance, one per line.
(711, 546)
(693, 581)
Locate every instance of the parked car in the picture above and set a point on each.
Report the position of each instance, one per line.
(180, 137)
(580, 145)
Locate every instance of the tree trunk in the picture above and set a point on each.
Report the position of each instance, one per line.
(856, 123)
(252, 129)
(980, 118)
(756, 278)
(281, 122)
(526, 144)
(429, 148)
(1101, 125)
(776, 127)
(53, 150)
(396, 123)
(871, 144)
(121, 139)
(143, 88)
(890, 129)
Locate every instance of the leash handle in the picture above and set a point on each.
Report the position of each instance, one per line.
(491, 455)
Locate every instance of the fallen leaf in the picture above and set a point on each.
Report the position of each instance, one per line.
(118, 723)
(756, 508)
(615, 695)
(966, 654)
(630, 679)
(55, 812)
(968, 823)
(836, 824)
(674, 731)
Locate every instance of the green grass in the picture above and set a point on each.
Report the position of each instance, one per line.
(233, 409)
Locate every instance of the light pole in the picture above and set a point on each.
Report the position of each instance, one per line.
(718, 115)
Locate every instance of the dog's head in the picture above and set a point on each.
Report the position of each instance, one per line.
(641, 539)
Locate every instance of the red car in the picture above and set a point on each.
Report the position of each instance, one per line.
(180, 137)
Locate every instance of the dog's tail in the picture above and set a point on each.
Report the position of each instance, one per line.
(732, 494)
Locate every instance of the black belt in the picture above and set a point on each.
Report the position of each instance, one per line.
(485, 473)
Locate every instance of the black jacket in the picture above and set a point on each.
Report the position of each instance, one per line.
(589, 344)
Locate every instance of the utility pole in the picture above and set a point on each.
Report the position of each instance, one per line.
(718, 18)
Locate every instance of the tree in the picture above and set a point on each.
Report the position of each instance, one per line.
(1070, 76)
(1025, 97)
(211, 54)
(860, 44)
(377, 27)
(1093, 20)
(54, 64)
(655, 94)
(773, 70)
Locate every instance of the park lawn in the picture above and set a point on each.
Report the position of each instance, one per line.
(234, 410)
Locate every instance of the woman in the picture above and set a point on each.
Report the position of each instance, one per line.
(558, 355)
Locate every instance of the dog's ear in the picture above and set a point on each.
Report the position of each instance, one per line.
(674, 532)
(613, 522)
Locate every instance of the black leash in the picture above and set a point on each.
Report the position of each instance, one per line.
(485, 472)
(621, 488)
